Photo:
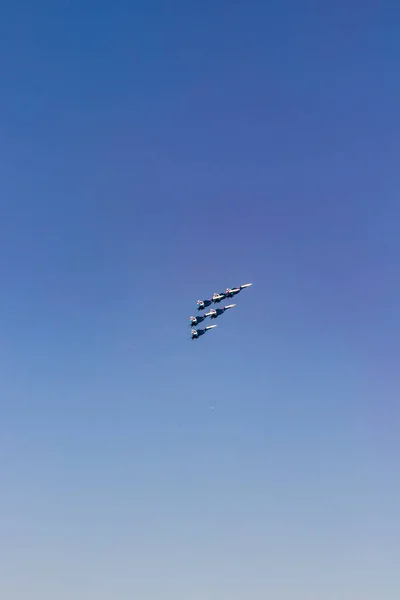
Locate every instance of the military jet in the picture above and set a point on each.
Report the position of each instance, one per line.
(216, 312)
(196, 333)
(197, 320)
(218, 297)
(201, 304)
(230, 292)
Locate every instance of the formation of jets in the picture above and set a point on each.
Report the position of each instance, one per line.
(213, 313)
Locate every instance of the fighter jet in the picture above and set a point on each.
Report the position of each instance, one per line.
(201, 304)
(196, 333)
(218, 297)
(214, 313)
(230, 292)
(197, 320)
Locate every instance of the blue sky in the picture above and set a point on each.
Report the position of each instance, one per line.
(151, 154)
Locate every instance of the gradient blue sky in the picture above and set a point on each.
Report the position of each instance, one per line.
(150, 154)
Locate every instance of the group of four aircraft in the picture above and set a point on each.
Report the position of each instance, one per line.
(214, 312)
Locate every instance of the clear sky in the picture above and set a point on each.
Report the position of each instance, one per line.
(152, 153)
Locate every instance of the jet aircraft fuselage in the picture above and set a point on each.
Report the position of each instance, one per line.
(196, 333)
